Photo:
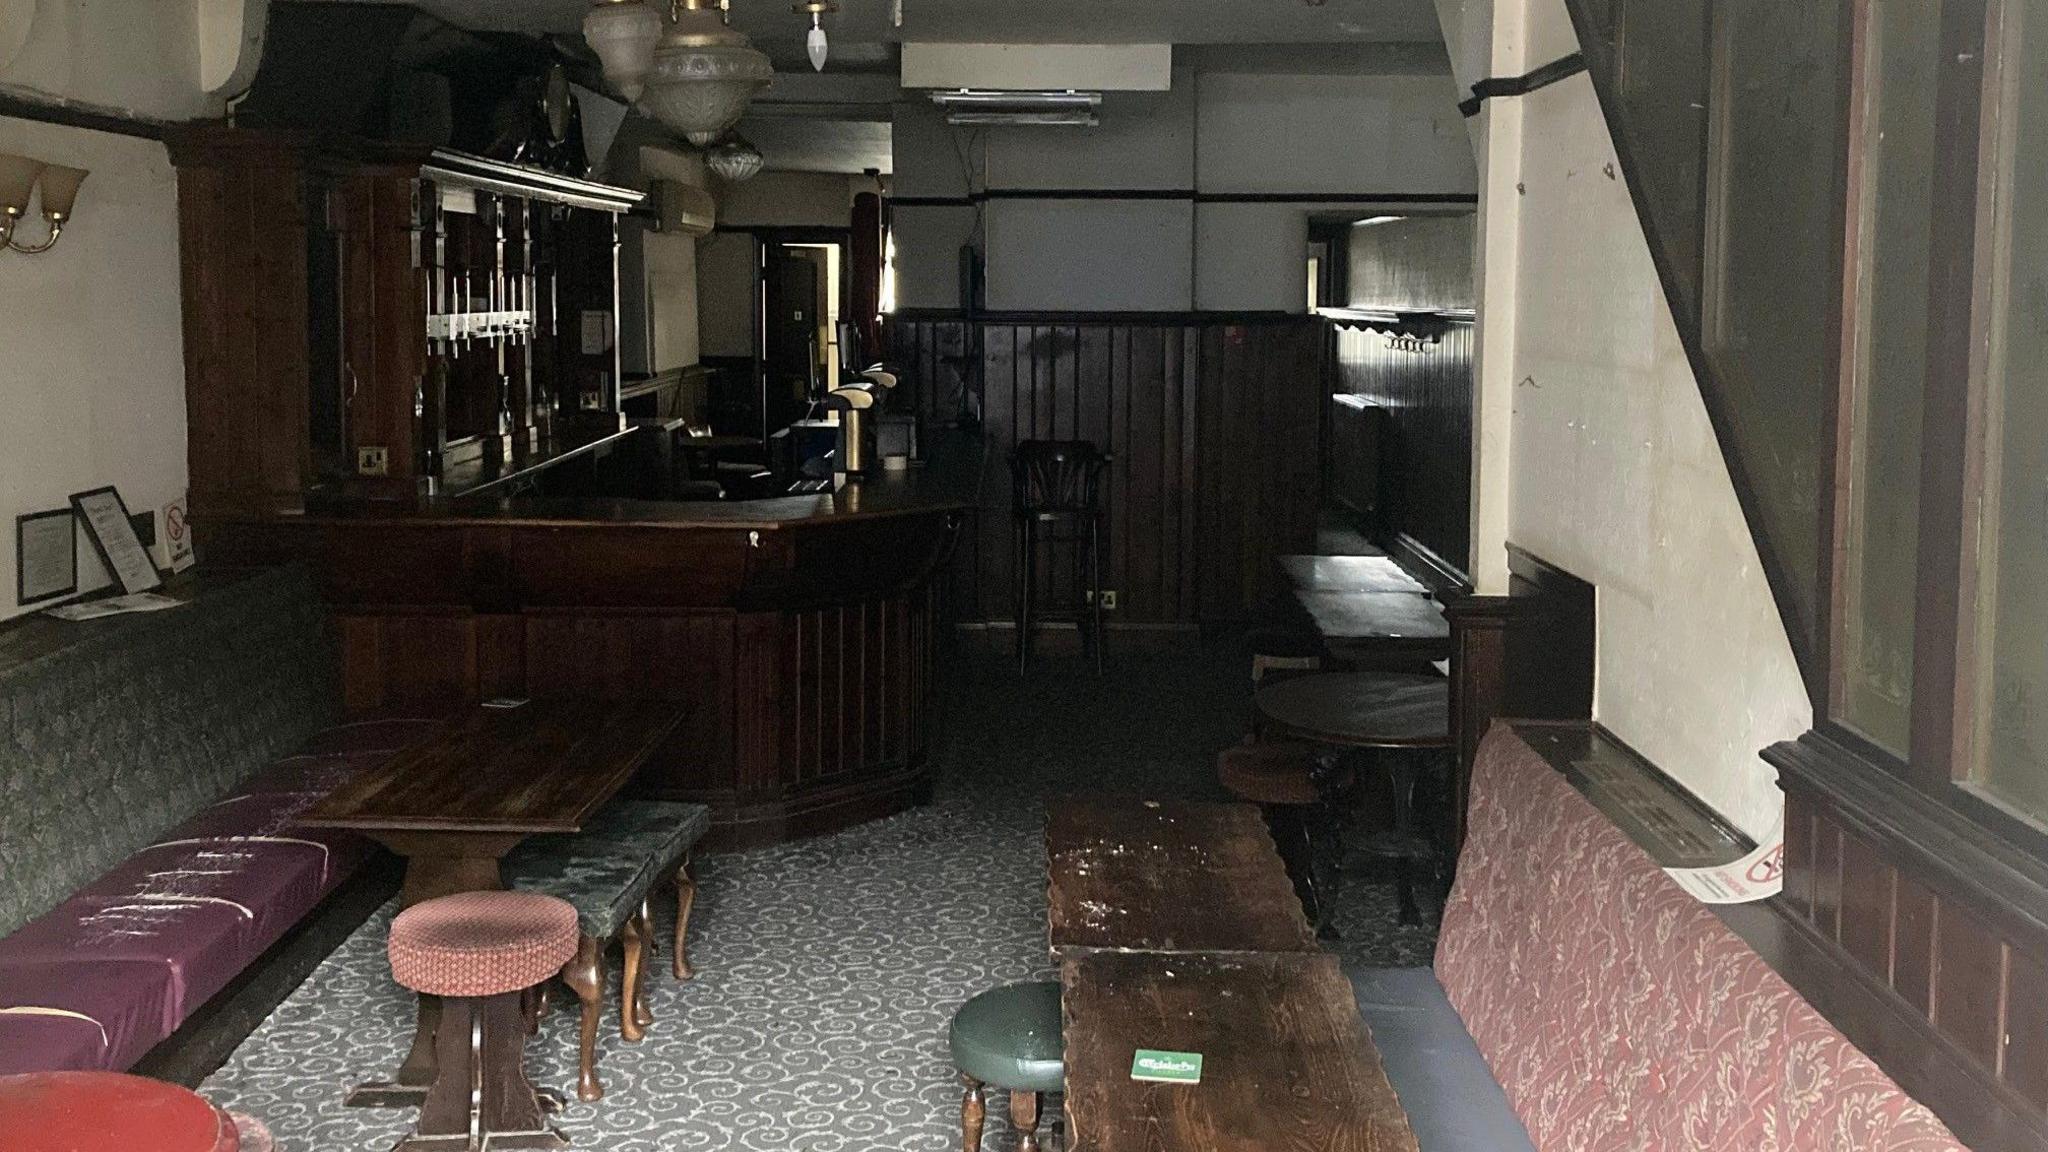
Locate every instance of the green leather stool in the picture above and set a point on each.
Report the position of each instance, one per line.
(1009, 1038)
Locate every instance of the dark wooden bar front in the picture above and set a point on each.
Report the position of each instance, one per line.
(798, 636)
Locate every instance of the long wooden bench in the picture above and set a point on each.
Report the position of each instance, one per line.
(1582, 1002)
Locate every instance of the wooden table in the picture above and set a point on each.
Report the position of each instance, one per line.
(1287, 1061)
(454, 805)
(1348, 574)
(1381, 620)
(1359, 709)
(1167, 877)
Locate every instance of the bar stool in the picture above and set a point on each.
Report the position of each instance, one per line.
(480, 952)
(1295, 786)
(1057, 484)
(1009, 1038)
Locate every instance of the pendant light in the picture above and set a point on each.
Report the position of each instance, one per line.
(815, 44)
(735, 160)
(696, 77)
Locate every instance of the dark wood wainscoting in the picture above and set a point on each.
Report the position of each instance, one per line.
(1215, 423)
(1918, 935)
(789, 717)
(1422, 384)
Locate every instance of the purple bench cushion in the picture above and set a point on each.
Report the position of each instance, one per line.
(99, 980)
(80, 1013)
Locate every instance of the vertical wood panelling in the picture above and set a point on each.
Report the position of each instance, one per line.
(1214, 425)
(1424, 391)
(1973, 985)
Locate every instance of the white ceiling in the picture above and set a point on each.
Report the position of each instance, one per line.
(861, 22)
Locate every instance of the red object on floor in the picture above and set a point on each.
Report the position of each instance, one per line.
(99, 1111)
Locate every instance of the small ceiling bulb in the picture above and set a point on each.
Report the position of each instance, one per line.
(815, 44)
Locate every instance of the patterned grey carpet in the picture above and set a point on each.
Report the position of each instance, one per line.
(827, 970)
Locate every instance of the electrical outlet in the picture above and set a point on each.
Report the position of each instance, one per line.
(373, 461)
(1108, 599)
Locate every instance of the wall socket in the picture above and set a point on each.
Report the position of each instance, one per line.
(373, 461)
(1108, 599)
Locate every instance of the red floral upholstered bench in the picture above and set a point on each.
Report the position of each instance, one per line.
(1587, 1004)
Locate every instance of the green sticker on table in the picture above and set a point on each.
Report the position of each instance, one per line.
(1167, 1067)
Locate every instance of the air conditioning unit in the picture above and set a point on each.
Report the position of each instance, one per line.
(684, 209)
(1054, 109)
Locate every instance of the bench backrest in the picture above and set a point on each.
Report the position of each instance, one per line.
(129, 725)
(1618, 1012)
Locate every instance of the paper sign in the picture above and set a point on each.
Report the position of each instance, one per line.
(174, 537)
(1757, 876)
(1157, 1067)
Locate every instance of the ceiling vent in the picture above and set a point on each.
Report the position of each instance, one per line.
(1057, 109)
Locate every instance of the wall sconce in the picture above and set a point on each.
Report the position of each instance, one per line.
(18, 178)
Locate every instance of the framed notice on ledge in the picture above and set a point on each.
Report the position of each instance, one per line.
(46, 556)
(113, 537)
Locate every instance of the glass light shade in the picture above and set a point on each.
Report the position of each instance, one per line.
(816, 45)
(60, 190)
(703, 76)
(735, 161)
(623, 33)
(17, 180)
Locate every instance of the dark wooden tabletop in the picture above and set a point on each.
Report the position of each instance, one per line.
(543, 767)
(1167, 876)
(1348, 574)
(1377, 616)
(1287, 1063)
(1360, 709)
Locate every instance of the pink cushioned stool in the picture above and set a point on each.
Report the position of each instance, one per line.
(479, 951)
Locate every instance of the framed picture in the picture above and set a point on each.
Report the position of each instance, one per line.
(46, 556)
(113, 536)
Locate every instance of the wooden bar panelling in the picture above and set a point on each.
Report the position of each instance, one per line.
(1215, 424)
(1422, 385)
(1930, 953)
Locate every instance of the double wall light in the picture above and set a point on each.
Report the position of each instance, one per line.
(19, 176)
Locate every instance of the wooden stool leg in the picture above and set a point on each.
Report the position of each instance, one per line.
(585, 976)
(1024, 1117)
(481, 1097)
(686, 899)
(635, 949)
(640, 1010)
(973, 1111)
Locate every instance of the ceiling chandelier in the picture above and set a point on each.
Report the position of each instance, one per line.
(735, 160)
(690, 72)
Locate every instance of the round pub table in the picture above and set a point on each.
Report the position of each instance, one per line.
(100, 1111)
(1404, 716)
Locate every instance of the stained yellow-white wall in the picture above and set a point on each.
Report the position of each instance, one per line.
(1610, 466)
(92, 374)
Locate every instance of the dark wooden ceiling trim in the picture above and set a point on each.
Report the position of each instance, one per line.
(83, 116)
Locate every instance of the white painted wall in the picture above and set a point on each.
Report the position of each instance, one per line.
(1612, 470)
(92, 376)
(1332, 132)
(92, 379)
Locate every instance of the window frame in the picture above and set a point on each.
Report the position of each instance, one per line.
(1941, 752)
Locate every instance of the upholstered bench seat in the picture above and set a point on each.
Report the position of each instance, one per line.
(1608, 1009)
(607, 873)
(1451, 1098)
(100, 979)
